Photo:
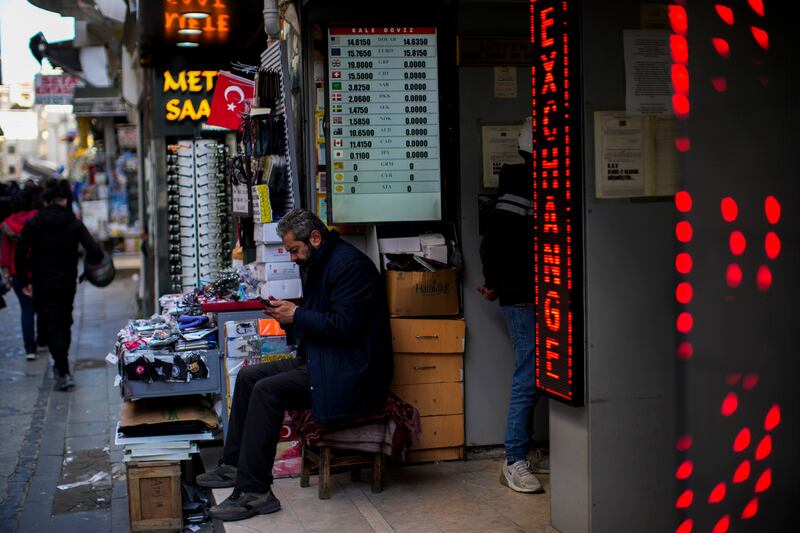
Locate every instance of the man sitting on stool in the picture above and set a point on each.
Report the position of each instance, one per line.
(342, 370)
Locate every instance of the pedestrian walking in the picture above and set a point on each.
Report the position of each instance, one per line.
(46, 263)
(25, 208)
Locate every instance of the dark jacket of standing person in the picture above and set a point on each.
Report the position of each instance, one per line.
(343, 328)
(507, 247)
(47, 251)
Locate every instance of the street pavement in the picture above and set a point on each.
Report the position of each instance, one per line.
(59, 468)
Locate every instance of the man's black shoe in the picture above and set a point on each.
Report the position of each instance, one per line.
(240, 505)
(220, 477)
(64, 383)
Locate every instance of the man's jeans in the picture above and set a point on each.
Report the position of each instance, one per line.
(520, 321)
(27, 316)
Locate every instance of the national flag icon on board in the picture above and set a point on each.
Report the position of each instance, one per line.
(338, 143)
(338, 120)
(338, 177)
(336, 108)
(338, 154)
(336, 74)
(337, 131)
(336, 63)
(338, 165)
(334, 39)
(339, 188)
(336, 97)
(336, 86)
(336, 51)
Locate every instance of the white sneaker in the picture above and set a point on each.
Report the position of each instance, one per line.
(519, 477)
(30, 356)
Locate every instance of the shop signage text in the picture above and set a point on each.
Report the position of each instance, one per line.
(556, 201)
(188, 83)
(214, 27)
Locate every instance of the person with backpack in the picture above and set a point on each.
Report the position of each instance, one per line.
(24, 208)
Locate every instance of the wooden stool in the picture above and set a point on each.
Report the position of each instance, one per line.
(326, 459)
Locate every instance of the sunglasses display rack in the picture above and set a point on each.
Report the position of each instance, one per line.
(198, 212)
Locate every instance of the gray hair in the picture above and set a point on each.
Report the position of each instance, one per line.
(301, 223)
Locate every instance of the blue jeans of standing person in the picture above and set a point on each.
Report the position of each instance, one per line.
(520, 321)
(27, 314)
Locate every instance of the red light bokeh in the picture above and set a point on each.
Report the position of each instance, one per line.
(723, 525)
(683, 263)
(685, 351)
(757, 5)
(725, 13)
(683, 201)
(742, 472)
(772, 245)
(737, 243)
(685, 322)
(684, 470)
(683, 292)
(763, 278)
(729, 209)
(773, 418)
(683, 231)
(751, 509)
(772, 208)
(733, 275)
(685, 499)
(722, 47)
(761, 37)
(764, 448)
(684, 443)
(742, 440)
(718, 494)
(729, 404)
(764, 481)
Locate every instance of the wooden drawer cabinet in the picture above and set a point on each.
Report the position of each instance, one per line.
(429, 374)
(432, 399)
(412, 368)
(417, 335)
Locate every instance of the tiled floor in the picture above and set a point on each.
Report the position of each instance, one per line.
(437, 497)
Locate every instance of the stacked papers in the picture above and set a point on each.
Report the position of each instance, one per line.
(160, 447)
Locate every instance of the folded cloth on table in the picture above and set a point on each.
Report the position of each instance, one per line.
(390, 431)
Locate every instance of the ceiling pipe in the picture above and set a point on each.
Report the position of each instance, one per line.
(272, 19)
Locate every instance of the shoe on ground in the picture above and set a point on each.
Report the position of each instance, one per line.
(64, 383)
(519, 477)
(220, 477)
(30, 356)
(240, 505)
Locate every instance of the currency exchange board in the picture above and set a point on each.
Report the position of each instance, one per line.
(383, 105)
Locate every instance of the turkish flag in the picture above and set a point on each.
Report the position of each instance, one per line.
(232, 97)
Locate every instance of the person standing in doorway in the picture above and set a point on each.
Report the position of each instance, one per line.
(47, 268)
(507, 257)
(10, 229)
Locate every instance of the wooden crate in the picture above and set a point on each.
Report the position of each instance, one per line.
(154, 496)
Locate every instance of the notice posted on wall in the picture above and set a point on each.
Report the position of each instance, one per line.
(620, 153)
(384, 124)
(499, 147)
(634, 155)
(648, 86)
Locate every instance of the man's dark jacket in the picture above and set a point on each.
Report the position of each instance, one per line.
(47, 250)
(507, 246)
(343, 330)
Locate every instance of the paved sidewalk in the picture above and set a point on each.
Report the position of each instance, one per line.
(56, 438)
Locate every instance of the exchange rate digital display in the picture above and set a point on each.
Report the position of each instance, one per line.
(557, 199)
(383, 104)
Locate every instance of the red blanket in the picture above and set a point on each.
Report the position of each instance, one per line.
(390, 431)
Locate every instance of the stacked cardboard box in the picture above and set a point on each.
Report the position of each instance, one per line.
(428, 352)
(278, 276)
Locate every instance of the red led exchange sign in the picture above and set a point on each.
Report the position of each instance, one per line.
(556, 200)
